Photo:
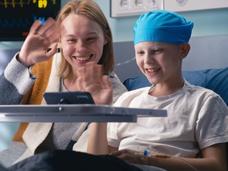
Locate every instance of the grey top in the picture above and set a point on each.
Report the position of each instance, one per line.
(9, 93)
(61, 133)
(15, 82)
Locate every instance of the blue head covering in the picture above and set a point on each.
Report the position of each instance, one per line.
(162, 26)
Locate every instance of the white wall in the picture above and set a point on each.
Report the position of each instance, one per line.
(207, 22)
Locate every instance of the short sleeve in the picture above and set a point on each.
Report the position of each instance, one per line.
(211, 125)
(118, 87)
(112, 128)
(112, 135)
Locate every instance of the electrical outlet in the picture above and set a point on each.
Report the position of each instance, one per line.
(120, 8)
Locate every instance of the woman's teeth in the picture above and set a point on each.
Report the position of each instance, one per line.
(84, 58)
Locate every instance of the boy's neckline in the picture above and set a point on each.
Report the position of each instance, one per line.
(151, 93)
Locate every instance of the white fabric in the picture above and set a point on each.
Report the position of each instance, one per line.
(18, 75)
(82, 142)
(197, 118)
(36, 133)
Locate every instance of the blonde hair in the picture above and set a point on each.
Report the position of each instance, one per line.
(91, 10)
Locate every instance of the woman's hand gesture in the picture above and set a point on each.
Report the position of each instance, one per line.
(41, 42)
(90, 78)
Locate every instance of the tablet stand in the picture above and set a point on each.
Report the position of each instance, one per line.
(74, 113)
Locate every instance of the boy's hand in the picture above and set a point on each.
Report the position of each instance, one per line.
(130, 156)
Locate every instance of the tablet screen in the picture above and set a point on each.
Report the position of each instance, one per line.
(76, 97)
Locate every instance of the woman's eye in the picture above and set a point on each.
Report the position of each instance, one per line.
(91, 39)
(71, 40)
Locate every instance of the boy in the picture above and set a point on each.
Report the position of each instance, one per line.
(194, 134)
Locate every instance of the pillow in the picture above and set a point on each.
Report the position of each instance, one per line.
(214, 79)
(217, 80)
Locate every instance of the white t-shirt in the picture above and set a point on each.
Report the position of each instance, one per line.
(197, 118)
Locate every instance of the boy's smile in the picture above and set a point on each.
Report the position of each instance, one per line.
(160, 63)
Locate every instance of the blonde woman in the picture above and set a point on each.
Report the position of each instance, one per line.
(84, 37)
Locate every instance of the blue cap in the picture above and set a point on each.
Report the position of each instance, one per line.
(162, 26)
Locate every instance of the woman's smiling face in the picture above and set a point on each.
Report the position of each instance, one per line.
(82, 40)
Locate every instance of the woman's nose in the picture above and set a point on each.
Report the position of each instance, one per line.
(80, 46)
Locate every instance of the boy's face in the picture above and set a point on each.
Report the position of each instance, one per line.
(160, 62)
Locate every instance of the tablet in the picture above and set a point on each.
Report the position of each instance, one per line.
(76, 97)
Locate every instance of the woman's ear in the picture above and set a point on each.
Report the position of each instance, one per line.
(184, 49)
(105, 41)
(59, 47)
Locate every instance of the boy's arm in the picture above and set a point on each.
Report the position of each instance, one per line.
(213, 158)
(97, 143)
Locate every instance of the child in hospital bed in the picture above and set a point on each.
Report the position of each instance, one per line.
(193, 135)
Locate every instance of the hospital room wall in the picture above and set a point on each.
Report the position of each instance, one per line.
(207, 23)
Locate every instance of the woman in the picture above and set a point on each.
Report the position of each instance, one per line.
(84, 38)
